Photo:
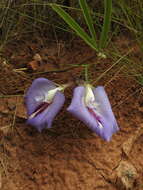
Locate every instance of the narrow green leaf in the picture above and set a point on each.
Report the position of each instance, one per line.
(74, 25)
(88, 19)
(106, 24)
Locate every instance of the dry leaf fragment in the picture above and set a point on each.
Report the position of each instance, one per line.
(34, 65)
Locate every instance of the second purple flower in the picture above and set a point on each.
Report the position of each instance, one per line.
(91, 105)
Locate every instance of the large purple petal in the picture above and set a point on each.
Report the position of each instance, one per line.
(79, 110)
(105, 109)
(36, 93)
(45, 118)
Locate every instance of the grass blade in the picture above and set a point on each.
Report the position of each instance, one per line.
(106, 24)
(74, 25)
(88, 19)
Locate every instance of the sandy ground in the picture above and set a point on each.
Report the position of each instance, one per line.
(69, 157)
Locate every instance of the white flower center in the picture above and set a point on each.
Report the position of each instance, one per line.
(51, 93)
(91, 104)
(89, 98)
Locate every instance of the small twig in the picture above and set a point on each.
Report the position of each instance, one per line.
(14, 119)
(14, 116)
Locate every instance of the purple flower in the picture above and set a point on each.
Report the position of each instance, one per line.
(43, 101)
(92, 106)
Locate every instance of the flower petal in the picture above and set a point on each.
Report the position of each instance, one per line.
(45, 118)
(105, 109)
(79, 110)
(36, 93)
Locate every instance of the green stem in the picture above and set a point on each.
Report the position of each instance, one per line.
(86, 73)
